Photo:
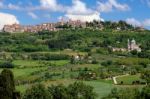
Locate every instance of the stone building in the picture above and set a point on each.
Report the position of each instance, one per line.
(41, 27)
(130, 47)
(13, 28)
(76, 23)
(133, 46)
(119, 49)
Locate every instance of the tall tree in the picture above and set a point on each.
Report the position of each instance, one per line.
(7, 86)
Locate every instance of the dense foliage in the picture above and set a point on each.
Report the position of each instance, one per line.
(73, 91)
(6, 64)
(7, 86)
(37, 91)
(74, 54)
(79, 39)
(132, 93)
(129, 93)
(47, 56)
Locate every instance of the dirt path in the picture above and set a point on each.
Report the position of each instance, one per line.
(114, 78)
(115, 81)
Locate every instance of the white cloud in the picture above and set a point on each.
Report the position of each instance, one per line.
(47, 16)
(104, 7)
(13, 7)
(79, 11)
(133, 22)
(1, 4)
(51, 5)
(146, 2)
(110, 5)
(78, 7)
(33, 15)
(84, 18)
(7, 19)
(146, 22)
(9, 6)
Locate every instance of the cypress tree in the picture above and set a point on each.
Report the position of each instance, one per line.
(7, 85)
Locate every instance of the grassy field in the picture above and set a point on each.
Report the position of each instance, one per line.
(59, 62)
(89, 66)
(129, 79)
(35, 70)
(36, 63)
(26, 63)
(101, 88)
(25, 72)
(67, 52)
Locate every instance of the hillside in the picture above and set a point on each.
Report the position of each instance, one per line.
(71, 55)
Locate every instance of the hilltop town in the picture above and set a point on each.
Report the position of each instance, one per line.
(41, 27)
(70, 24)
(56, 26)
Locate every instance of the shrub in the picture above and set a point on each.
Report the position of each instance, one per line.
(145, 93)
(107, 63)
(7, 86)
(146, 76)
(47, 56)
(6, 64)
(77, 90)
(94, 61)
(124, 93)
(37, 91)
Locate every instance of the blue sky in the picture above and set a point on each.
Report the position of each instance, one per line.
(135, 12)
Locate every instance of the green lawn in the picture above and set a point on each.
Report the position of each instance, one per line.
(36, 63)
(22, 88)
(25, 72)
(66, 51)
(102, 89)
(26, 63)
(129, 79)
(89, 66)
(60, 62)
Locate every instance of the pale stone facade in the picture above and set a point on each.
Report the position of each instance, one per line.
(130, 47)
(46, 26)
(13, 28)
(76, 23)
(119, 49)
(18, 28)
(133, 46)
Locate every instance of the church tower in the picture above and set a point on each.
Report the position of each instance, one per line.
(129, 45)
(133, 46)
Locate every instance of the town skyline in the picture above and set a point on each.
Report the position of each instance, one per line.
(42, 11)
